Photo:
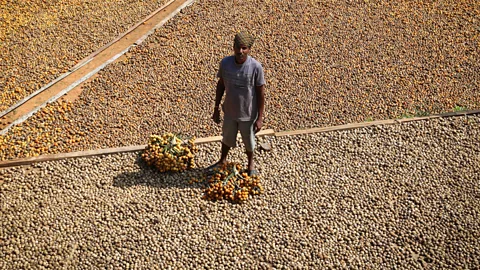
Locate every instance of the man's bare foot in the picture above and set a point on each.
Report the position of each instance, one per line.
(215, 166)
(252, 172)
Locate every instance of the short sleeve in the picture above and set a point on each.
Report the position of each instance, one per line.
(219, 73)
(260, 77)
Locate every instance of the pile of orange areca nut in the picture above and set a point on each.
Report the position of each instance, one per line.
(170, 153)
(228, 182)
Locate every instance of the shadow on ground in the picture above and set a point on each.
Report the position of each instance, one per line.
(151, 176)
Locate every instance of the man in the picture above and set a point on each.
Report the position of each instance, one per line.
(242, 80)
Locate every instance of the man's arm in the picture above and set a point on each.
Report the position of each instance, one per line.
(260, 92)
(218, 98)
(220, 91)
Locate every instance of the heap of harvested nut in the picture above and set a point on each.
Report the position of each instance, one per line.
(170, 153)
(230, 182)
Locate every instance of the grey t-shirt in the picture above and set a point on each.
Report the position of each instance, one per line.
(240, 80)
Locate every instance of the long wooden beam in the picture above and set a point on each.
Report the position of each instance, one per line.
(89, 66)
(267, 132)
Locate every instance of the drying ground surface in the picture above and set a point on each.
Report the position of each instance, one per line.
(404, 196)
(40, 40)
(326, 63)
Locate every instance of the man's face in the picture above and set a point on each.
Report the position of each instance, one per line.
(241, 52)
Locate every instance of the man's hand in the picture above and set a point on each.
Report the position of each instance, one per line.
(260, 92)
(258, 125)
(216, 116)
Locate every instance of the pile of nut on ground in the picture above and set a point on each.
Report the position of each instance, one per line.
(325, 63)
(41, 40)
(399, 196)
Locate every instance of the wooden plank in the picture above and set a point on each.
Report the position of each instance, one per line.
(208, 139)
(335, 128)
(459, 113)
(95, 53)
(179, 6)
(372, 123)
(91, 65)
(106, 151)
(89, 153)
(266, 132)
(291, 132)
(441, 115)
(406, 120)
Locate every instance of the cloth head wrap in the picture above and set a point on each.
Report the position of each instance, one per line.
(244, 38)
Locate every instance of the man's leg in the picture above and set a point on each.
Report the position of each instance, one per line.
(251, 165)
(223, 157)
(229, 140)
(248, 137)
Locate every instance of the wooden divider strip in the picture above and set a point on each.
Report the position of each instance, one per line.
(51, 157)
(89, 66)
(335, 128)
(25, 161)
(373, 123)
(95, 53)
(266, 132)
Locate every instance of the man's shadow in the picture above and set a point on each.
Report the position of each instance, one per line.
(151, 176)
